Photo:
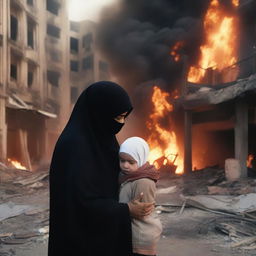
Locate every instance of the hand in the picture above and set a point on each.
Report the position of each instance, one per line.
(139, 210)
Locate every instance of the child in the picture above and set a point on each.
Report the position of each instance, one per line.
(138, 176)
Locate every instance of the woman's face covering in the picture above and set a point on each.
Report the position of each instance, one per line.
(107, 105)
(112, 104)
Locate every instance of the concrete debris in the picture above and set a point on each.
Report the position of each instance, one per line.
(3, 235)
(233, 204)
(44, 230)
(10, 209)
(32, 179)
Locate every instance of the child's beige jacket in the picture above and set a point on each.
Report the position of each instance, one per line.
(146, 232)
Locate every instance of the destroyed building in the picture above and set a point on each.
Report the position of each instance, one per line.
(219, 109)
(34, 78)
(86, 64)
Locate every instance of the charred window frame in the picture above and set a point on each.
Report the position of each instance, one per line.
(88, 62)
(73, 94)
(87, 41)
(53, 31)
(14, 27)
(74, 65)
(31, 30)
(53, 77)
(52, 6)
(74, 45)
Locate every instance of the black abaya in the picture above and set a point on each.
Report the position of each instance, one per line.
(85, 216)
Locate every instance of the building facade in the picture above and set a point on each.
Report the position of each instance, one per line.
(34, 78)
(86, 64)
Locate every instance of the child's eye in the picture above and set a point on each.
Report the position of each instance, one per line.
(132, 162)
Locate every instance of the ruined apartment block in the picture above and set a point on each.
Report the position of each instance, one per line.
(34, 78)
(86, 64)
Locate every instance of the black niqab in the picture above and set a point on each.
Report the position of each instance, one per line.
(85, 216)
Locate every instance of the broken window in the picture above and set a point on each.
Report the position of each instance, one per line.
(30, 79)
(88, 62)
(30, 2)
(14, 67)
(53, 30)
(31, 75)
(14, 71)
(52, 6)
(73, 45)
(53, 77)
(74, 94)
(30, 34)
(74, 65)
(87, 41)
(14, 27)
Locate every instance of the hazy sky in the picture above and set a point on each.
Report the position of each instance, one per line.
(86, 9)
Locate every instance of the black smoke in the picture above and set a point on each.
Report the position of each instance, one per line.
(136, 38)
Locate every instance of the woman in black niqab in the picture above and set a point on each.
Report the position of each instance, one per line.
(85, 216)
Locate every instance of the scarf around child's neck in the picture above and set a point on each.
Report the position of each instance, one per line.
(145, 171)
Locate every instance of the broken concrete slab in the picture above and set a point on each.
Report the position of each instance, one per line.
(10, 209)
(234, 204)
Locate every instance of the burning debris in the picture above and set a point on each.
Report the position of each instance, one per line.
(163, 143)
(17, 164)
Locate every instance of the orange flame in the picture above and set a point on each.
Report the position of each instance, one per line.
(174, 51)
(235, 2)
(17, 164)
(163, 143)
(220, 49)
(249, 160)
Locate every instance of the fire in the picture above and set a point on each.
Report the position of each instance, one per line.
(220, 49)
(249, 160)
(174, 51)
(235, 2)
(163, 142)
(17, 164)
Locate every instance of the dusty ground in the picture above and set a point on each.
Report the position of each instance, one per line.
(186, 233)
(192, 233)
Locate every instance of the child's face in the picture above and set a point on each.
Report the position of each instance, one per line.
(127, 163)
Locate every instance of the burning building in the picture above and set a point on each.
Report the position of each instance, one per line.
(219, 95)
(205, 54)
(34, 102)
